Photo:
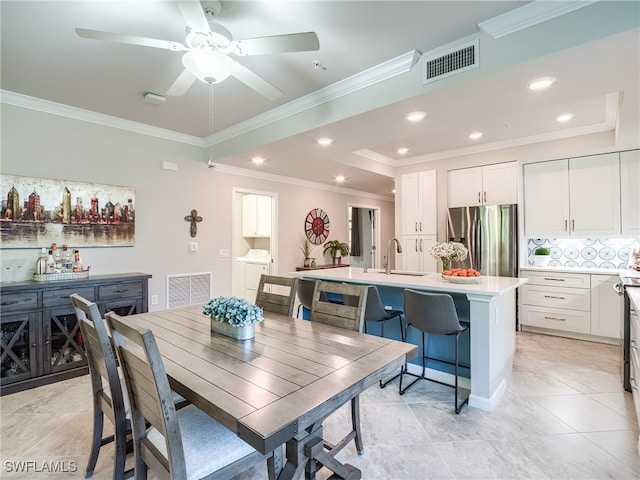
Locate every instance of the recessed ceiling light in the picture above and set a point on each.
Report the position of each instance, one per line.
(258, 160)
(325, 141)
(402, 150)
(340, 179)
(565, 117)
(415, 116)
(475, 135)
(541, 83)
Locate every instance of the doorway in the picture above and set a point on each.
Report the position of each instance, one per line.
(364, 235)
(254, 225)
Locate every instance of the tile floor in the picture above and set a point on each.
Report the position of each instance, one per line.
(564, 416)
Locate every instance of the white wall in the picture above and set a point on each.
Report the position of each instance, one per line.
(48, 146)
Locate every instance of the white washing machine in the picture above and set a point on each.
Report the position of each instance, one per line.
(251, 267)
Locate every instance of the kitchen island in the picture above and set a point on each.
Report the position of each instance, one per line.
(488, 305)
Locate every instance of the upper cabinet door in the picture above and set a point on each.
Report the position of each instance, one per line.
(500, 184)
(546, 199)
(594, 195)
(419, 209)
(630, 192)
(465, 187)
(489, 185)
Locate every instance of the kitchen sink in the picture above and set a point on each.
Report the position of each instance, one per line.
(409, 274)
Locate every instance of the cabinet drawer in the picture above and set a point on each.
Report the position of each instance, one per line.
(572, 298)
(60, 296)
(120, 290)
(559, 279)
(13, 302)
(557, 319)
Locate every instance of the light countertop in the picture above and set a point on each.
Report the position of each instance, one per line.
(491, 286)
(622, 272)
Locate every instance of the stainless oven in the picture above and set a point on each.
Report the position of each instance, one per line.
(621, 288)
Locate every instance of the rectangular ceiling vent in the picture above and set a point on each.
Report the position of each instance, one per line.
(451, 62)
(184, 290)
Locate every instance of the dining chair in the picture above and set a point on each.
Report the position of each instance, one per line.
(349, 317)
(304, 290)
(270, 297)
(173, 444)
(374, 311)
(106, 387)
(434, 314)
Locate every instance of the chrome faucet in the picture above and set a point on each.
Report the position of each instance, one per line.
(388, 265)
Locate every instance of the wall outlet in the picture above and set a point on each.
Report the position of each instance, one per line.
(193, 246)
(154, 299)
(224, 253)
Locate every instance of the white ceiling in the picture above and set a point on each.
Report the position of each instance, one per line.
(598, 80)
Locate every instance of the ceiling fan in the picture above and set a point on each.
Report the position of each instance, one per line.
(208, 46)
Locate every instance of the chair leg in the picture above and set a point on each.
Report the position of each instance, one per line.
(355, 422)
(406, 372)
(98, 424)
(466, 400)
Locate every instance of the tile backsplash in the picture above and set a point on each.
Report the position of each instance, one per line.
(585, 252)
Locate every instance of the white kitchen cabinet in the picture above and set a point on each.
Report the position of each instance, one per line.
(594, 195)
(606, 307)
(256, 216)
(577, 196)
(489, 185)
(415, 253)
(419, 203)
(578, 305)
(630, 192)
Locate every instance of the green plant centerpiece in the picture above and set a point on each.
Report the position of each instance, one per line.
(336, 249)
(233, 317)
(541, 256)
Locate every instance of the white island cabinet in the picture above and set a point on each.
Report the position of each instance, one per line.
(489, 306)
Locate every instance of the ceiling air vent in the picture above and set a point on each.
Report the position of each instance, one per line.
(451, 62)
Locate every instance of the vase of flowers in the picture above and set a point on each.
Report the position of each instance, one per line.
(233, 317)
(448, 252)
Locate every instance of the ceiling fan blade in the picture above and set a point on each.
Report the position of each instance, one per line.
(182, 84)
(292, 42)
(194, 16)
(255, 82)
(129, 39)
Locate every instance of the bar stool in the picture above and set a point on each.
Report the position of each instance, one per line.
(435, 314)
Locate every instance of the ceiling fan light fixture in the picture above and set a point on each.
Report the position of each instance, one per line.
(208, 66)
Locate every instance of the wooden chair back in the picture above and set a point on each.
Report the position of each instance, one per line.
(272, 294)
(108, 396)
(150, 399)
(349, 316)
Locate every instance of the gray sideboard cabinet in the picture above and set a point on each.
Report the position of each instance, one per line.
(40, 339)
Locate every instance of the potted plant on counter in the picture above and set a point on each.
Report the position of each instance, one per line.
(336, 249)
(306, 247)
(541, 257)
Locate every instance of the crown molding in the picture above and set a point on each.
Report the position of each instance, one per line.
(59, 109)
(245, 172)
(528, 15)
(379, 73)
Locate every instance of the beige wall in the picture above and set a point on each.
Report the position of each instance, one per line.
(50, 146)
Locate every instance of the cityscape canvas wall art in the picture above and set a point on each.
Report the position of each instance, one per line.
(37, 212)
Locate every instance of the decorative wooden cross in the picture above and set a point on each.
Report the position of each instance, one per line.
(194, 218)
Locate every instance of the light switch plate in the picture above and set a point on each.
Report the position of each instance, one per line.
(193, 246)
(224, 253)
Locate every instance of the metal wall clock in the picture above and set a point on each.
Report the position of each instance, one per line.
(316, 226)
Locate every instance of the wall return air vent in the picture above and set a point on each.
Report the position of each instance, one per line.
(451, 62)
(184, 290)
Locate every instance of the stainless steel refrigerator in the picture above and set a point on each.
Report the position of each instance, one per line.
(491, 235)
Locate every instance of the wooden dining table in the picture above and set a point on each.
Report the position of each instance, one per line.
(277, 388)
